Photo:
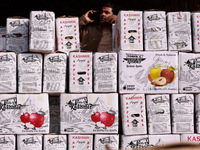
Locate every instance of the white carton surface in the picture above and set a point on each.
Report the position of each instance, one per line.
(7, 142)
(197, 113)
(105, 72)
(182, 107)
(91, 113)
(17, 34)
(67, 31)
(2, 38)
(190, 138)
(42, 31)
(158, 114)
(80, 72)
(54, 75)
(155, 34)
(129, 28)
(55, 142)
(133, 114)
(24, 114)
(196, 31)
(148, 72)
(30, 73)
(179, 31)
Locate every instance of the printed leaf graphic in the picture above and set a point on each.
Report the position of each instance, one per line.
(172, 68)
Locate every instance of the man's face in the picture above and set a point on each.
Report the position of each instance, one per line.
(105, 12)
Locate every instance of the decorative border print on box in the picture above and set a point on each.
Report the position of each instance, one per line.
(129, 27)
(24, 114)
(30, 73)
(2, 38)
(189, 77)
(158, 114)
(54, 76)
(197, 113)
(182, 107)
(155, 34)
(8, 72)
(196, 31)
(190, 138)
(17, 34)
(80, 142)
(133, 114)
(7, 142)
(42, 31)
(55, 142)
(29, 142)
(148, 72)
(80, 73)
(92, 113)
(105, 72)
(67, 31)
(179, 31)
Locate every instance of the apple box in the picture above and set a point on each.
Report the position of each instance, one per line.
(80, 142)
(190, 138)
(196, 31)
(89, 113)
(8, 72)
(42, 31)
(158, 114)
(189, 77)
(7, 142)
(197, 113)
(182, 107)
(30, 73)
(80, 72)
(55, 142)
(129, 30)
(29, 142)
(105, 72)
(67, 31)
(179, 31)
(54, 76)
(133, 114)
(17, 34)
(2, 38)
(148, 72)
(155, 34)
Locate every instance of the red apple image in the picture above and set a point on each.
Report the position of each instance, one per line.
(25, 117)
(96, 117)
(107, 119)
(168, 74)
(37, 119)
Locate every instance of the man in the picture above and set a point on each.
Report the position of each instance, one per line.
(96, 35)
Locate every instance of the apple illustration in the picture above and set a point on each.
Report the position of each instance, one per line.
(37, 119)
(168, 74)
(107, 118)
(155, 73)
(96, 117)
(25, 117)
(160, 81)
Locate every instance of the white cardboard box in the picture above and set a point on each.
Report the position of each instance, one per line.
(158, 114)
(179, 31)
(129, 28)
(197, 113)
(133, 114)
(67, 31)
(30, 73)
(105, 72)
(189, 77)
(42, 31)
(2, 38)
(89, 113)
(190, 138)
(80, 72)
(8, 142)
(55, 142)
(155, 34)
(80, 142)
(17, 34)
(182, 107)
(196, 31)
(54, 76)
(148, 72)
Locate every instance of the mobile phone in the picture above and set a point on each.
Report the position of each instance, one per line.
(94, 16)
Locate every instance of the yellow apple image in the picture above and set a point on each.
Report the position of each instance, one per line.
(155, 73)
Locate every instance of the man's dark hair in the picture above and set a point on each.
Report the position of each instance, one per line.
(111, 5)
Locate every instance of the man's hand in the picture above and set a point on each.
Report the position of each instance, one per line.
(86, 15)
(111, 19)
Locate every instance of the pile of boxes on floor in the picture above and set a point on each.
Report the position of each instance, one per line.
(158, 73)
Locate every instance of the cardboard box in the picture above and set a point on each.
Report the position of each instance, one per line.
(182, 107)
(78, 142)
(17, 34)
(29, 142)
(129, 28)
(196, 31)
(7, 142)
(24, 114)
(2, 38)
(8, 72)
(189, 77)
(91, 113)
(55, 142)
(80, 72)
(54, 76)
(133, 114)
(197, 113)
(179, 31)
(42, 31)
(30, 73)
(105, 72)
(158, 114)
(67, 31)
(190, 138)
(148, 72)
(155, 34)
